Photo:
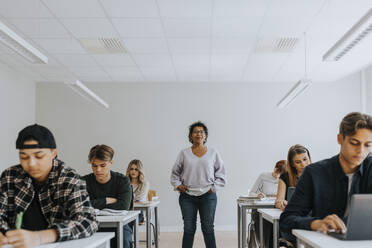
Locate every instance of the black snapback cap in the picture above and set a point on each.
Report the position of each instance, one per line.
(42, 135)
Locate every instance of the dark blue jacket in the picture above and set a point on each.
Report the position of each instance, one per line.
(323, 190)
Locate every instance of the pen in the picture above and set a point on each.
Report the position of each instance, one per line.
(19, 220)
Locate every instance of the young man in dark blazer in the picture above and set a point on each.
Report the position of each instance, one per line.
(321, 201)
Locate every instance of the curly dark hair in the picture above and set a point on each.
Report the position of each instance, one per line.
(354, 121)
(198, 124)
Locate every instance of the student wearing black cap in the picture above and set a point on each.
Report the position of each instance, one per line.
(51, 198)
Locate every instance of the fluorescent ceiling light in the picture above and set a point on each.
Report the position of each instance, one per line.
(20, 46)
(296, 90)
(352, 37)
(85, 92)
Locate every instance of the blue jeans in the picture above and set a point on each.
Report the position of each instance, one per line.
(206, 204)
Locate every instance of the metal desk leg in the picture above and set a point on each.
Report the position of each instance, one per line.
(275, 234)
(261, 232)
(239, 226)
(157, 229)
(244, 227)
(120, 237)
(148, 228)
(135, 232)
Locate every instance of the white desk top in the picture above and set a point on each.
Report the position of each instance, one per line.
(117, 218)
(270, 214)
(146, 204)
(320, 240)
(257, 203)
(93, 241)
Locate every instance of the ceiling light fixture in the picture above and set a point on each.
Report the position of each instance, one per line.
(299, 87)
(352, 37)
(20, 46)
(85, 92)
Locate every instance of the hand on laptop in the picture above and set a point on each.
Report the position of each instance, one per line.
(331, 222)
(261, 195)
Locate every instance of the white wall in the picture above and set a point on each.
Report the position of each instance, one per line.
(369, 89)
(149, 121)
(17, 108)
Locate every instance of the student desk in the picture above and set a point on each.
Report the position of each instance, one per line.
(147, 207)
(273, 216)
(242, 206)
(319, 240)
(101, 239)
(118, 221)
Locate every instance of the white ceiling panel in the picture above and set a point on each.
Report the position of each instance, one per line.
(295, 8)
(90, 27)
(240, 8)
(41, 28)
(189, 45)
(23, 9)
(139, 28)
(201, 60)
(31, 74)
(155, 59)
(130, 8)
(124, 74)
(193, 74)
(150, 45)
(229, 60)
(75, 8)
(107, 60)
(159, 74)
(5, 49)
(236, 27)
(232, 44)
(60, 45)
(71, 60)
(284, 27)
(226, 73)
(83, 71)
(185, 8)
(187, 28)
(13, 60)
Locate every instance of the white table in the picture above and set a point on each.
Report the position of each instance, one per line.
(118, 221)
(147, 207)
(100, 239)
(319, 240)
(242, 206)
(273, 216)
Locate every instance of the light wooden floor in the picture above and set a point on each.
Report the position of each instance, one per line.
(174, 240)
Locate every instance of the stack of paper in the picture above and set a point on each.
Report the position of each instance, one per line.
(108, 211)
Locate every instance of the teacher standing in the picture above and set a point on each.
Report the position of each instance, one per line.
(197, 174)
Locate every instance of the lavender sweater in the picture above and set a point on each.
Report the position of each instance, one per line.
(199, 174)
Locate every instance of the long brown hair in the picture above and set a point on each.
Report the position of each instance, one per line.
(141, 174)
(291, 169)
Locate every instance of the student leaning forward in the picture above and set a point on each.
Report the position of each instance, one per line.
(41, 200)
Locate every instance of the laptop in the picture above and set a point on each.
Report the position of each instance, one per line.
(359, 221)
(290, 191)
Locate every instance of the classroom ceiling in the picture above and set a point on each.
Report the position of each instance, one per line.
(186, 40)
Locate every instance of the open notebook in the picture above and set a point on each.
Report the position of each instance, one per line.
(108, 211)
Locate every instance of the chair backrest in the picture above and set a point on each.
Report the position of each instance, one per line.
(132, 200)
(151, 194)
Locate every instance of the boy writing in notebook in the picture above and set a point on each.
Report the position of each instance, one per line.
(41, 200)
(322, 197)
(108, 189)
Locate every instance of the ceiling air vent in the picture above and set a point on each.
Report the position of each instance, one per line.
(103, 45)
(279, 45)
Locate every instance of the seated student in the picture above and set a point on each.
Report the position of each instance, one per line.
(323, 192)
(52, 197)
(108, 189)
(139, 183)
(298, 158)
(266, 185)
